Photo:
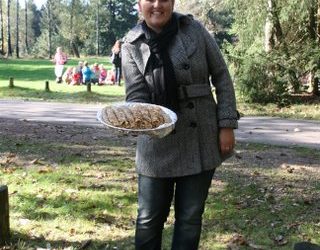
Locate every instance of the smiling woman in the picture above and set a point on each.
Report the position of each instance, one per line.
(169, 59)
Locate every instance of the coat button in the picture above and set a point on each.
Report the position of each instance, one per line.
(193, 124)
(190, 105)
(186, 66)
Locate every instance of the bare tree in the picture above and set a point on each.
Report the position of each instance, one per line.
(73, 45)
(49, 16)
(9, 49)
(17, 30)
(315, 80)
(98, 28)
(1, 30)
(26, 26)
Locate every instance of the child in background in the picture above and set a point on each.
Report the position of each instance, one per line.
(76, 77)
(110, 77)
(79, 69)
(60, 58)
(67, 76)
(95, 73)
(103, 75)
(86, 73)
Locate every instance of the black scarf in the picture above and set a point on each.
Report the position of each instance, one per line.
(164, 89)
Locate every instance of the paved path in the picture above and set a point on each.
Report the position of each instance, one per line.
(267, 130)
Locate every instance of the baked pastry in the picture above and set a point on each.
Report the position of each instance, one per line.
(135, 116)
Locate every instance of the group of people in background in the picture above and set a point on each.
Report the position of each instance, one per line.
(83, 73)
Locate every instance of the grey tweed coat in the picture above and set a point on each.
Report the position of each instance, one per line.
(193, 147)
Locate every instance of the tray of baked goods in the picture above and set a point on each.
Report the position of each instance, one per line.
(133, 118)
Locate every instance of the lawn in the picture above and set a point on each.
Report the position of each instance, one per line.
(75, 188)
(30, 76)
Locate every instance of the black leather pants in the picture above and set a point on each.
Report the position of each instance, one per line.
(154, 198)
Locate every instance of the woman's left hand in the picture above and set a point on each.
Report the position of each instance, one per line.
(226, 140)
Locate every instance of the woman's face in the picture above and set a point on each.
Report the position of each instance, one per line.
(156, 13)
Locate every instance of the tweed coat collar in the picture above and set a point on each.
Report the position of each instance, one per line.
(181, 48)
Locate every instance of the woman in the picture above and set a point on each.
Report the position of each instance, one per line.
(171, 60)
(59, 59)
(116, 60)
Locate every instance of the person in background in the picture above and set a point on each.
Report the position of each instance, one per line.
(116, 61)
(86, 73)
(79, 69)
(60, 59)
(67, 76)
(171, 60)
(95, 73)
(103, 75)
(76, 77)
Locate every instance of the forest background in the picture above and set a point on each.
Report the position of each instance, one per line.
(272, 47)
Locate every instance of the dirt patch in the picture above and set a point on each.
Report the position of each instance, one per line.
(26, 140)
(69, 139)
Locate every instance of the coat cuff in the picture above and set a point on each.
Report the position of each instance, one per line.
(228, 123)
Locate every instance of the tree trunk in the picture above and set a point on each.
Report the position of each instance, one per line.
(312, 26)
(277, 26)
(272, 31)
(318, 22)
(73, 45)
(75, 50)
(268, 30)
(4, 216)
(17, 30)
(315, 80)
(26, 26)
(1, 30)
(9, 48)
(50, 28)
(315, 86)
(97, 28)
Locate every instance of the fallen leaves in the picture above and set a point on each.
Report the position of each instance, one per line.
(280, 240)
(239, 240)
(45, 170)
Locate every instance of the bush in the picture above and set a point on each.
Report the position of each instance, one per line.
(260, 81)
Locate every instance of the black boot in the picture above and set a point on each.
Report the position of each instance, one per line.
(306, 246)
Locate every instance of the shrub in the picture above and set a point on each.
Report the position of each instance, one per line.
(260, 81)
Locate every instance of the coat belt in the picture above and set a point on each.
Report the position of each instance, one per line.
(193, 90)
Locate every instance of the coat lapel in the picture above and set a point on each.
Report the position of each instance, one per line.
(183, 46)
(180, 50)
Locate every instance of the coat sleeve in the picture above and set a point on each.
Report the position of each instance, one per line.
(221, 80)
(136, 88)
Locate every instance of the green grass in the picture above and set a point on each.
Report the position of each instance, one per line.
(30, 76)
(67, 192)
(298, 109)
(67, 188)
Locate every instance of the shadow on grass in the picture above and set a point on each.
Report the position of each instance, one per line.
(74, 206)
(23, 241)
(29, 93)
(261, 205)
(258, 198)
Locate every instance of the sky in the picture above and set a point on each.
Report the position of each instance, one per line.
(38, 3)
